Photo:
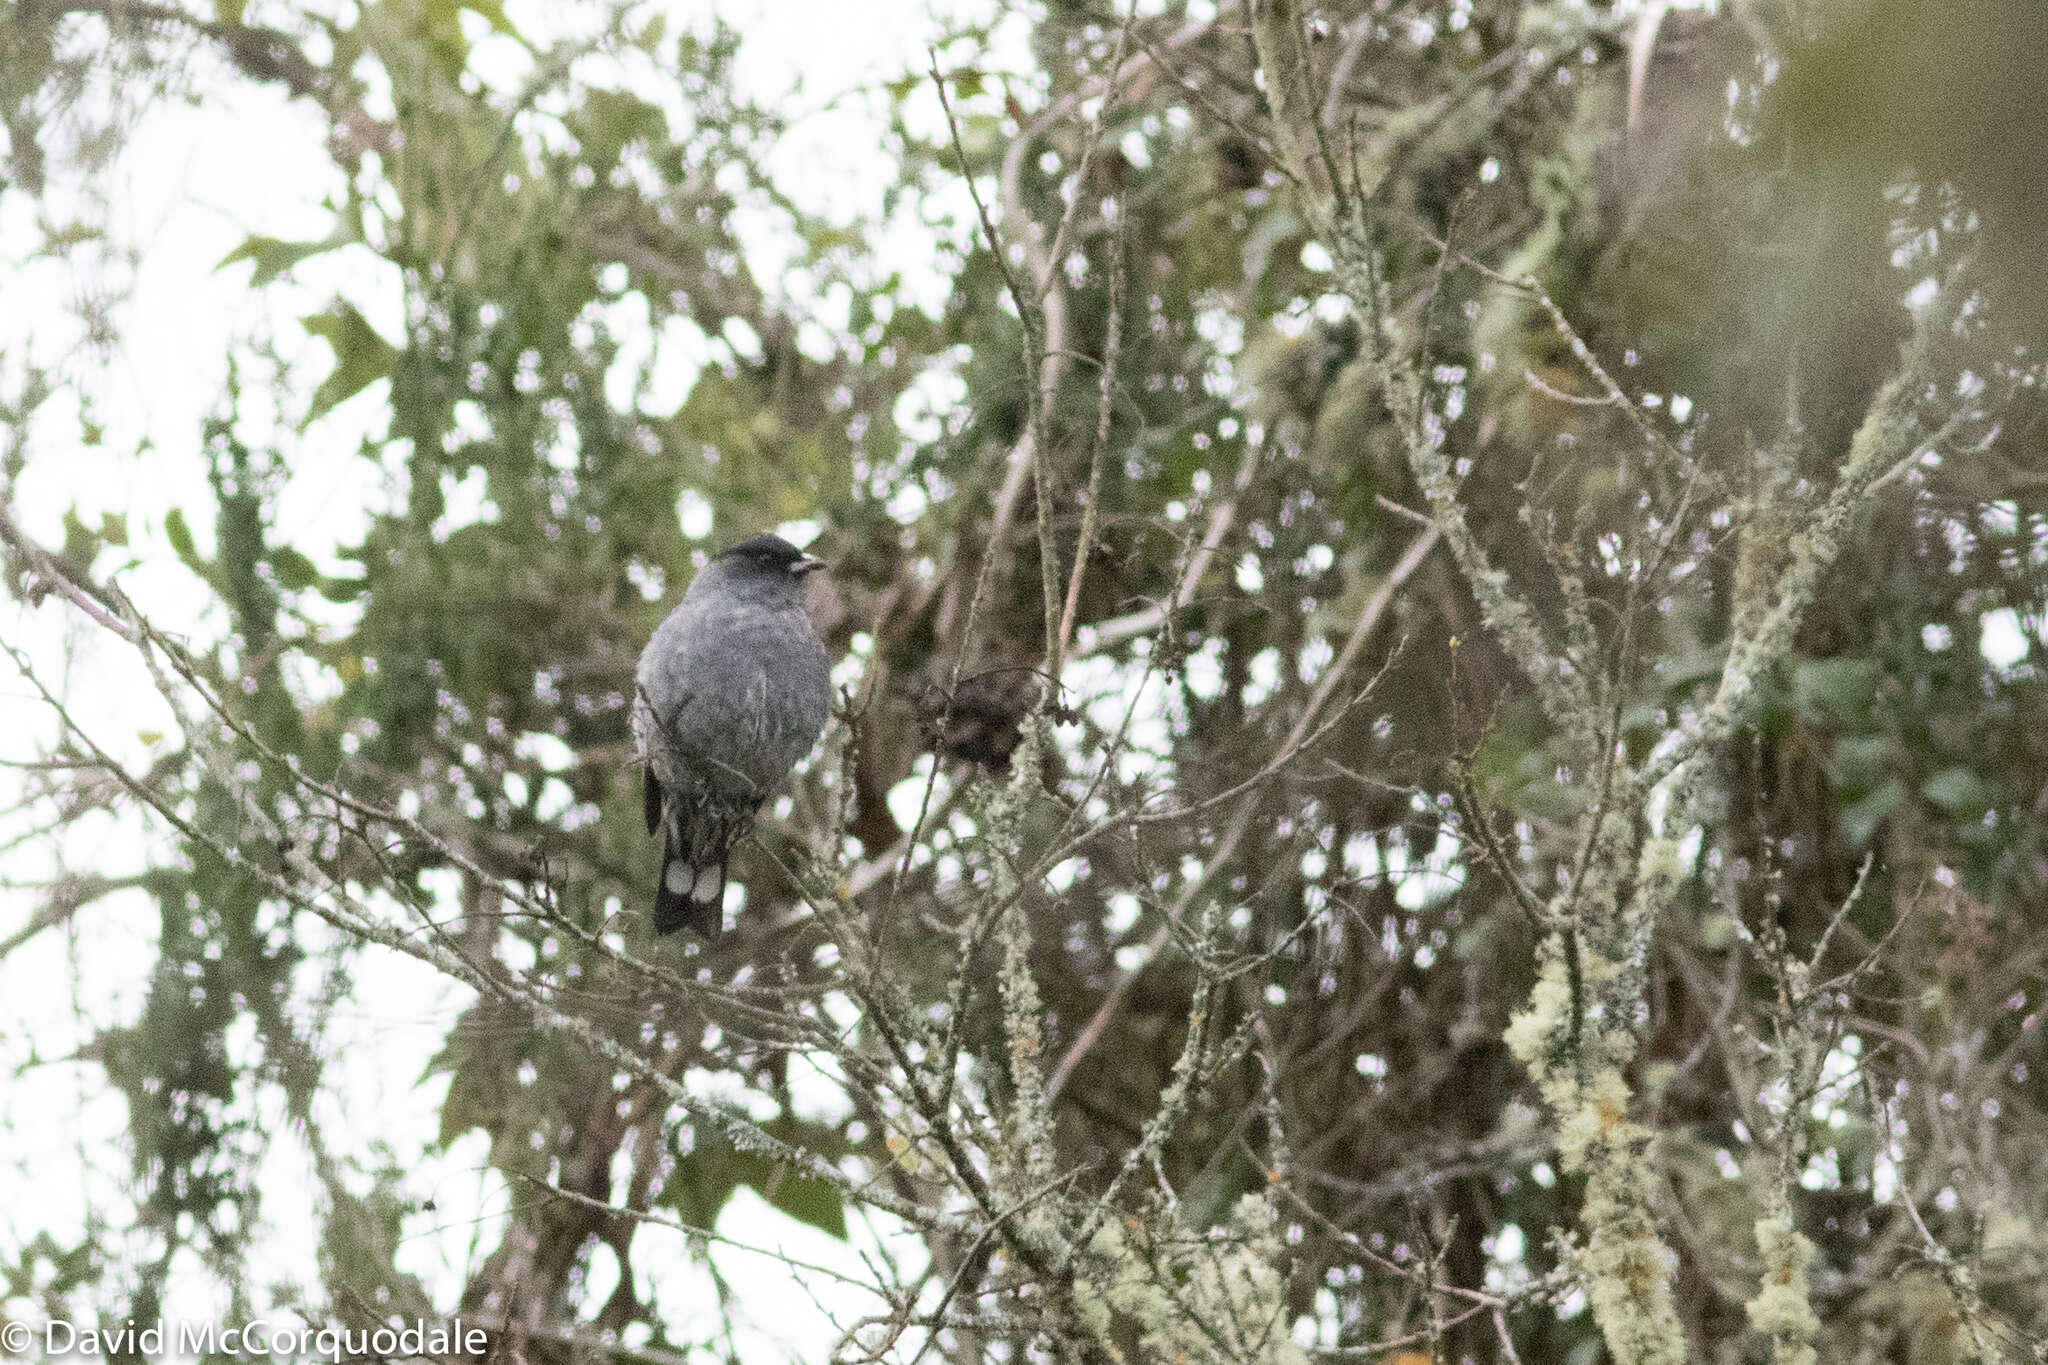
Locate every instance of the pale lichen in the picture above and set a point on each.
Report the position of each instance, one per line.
(1577, 1033)
(1214, 1300)
(1005, 813)
(1532, 1031)
(1782, 1309)
(1624, 1265)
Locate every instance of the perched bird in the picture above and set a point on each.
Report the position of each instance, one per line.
(732, 691)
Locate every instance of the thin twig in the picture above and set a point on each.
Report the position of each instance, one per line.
(1091, 508)
(1120, 990)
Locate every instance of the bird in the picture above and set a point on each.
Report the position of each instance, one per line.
(732, 689)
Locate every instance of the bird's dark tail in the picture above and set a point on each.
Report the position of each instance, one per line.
(689, 897)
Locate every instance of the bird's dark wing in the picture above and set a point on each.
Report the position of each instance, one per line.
(650, 799)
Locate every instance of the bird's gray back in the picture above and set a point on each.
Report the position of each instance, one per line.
(731, 693)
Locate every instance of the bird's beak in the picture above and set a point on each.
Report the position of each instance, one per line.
(808, 564)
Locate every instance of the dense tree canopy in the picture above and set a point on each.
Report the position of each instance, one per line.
(1439, 756)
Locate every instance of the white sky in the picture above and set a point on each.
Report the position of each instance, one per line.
(193, 184)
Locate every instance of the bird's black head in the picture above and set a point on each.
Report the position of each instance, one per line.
(769, 555)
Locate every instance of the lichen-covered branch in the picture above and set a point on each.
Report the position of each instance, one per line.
(1577, 1034)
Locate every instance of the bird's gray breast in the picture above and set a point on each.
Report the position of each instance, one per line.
(729, 700)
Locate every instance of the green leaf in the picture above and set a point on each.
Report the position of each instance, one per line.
(1694, 666)
(1271, 229)
(273, 257)
(294, 571)
(1860, 819)
(58, 239)
(342, 589)
(230, 11)
(1501, 763)
(1858, 762)
(1834, 691)
(806, 1199)
(612, 121)
(180, 536)
(1958, 791)
(80, 544)
(705, 1179)
(442, 29)
(113, 528)
(361, 357)
(493, 13)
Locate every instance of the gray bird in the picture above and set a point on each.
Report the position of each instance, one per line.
(732, 691)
